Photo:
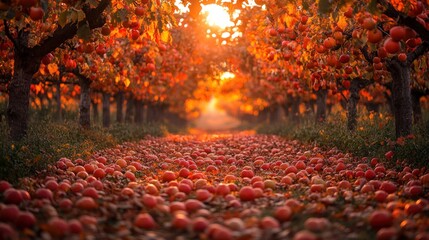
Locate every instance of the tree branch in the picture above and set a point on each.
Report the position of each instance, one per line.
(54, 81)
(9, 34)
(369, 57)
(419, 51)
(419, 92)
(94, 19)
(405, 20)
(344, 96)
(78, 74)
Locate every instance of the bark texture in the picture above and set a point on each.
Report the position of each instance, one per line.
(417, 107)
(129, 112)
(401, 96)
(322, 95)
(85, 102)
(355, 86)
(139, 111)
(120, 107)
(106, 110)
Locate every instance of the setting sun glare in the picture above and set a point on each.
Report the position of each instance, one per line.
(217, 16)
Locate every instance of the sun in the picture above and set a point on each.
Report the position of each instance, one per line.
(217, 16)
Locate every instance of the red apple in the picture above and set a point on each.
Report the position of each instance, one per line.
(44, 193)
(75, 226)
(380, 219)
(36, 13)
(4, 185)
(57, 227)
(199, 224)
(90, 192)
(247, 193)
(180, 221)
(25, 220)
(7, 232)
(12, 196)
(144, 220)
(168, 176)
(149, 200)
(86, 203)
(9, 213)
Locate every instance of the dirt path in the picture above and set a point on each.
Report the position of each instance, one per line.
(218, 187)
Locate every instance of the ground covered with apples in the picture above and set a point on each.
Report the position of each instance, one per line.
(218, 187)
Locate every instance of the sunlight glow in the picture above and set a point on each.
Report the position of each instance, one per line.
(217, 16)
(180, 7)
(215, 119)
(226, 76)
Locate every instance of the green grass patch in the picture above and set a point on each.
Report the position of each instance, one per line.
(48, 141)
(373, 137)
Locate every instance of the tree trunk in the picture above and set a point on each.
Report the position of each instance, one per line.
(59, 110)
(119, 107)
(274, 113)
(295, 109)
(162, 112)
(401, 95)
(138, 118)
(129, 112)
(329, 108)
(286, 106)
(372, 107)
(106, 110)
(95, 112)
(390, 105)
(417, 108)
(49, 100)
(25, 67)
(150, 112)
(352, 106)
(85, 102)
(355, 86)
(41, 99)
(321, 105)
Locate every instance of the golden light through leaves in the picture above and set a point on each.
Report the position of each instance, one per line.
(217, 16)
(226, 76)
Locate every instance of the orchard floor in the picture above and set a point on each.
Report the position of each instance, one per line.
(224, 186)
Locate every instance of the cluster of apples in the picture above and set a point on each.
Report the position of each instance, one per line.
(219, 187)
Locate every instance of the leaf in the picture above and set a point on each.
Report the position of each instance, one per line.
(166, 37)
(127, 82)
(80, 15)
(372, 7)
(166, 7)
(324, 6)
(120, 15)
(92, 3)
(305, 5)
(52, 68)
(150, 31)
(62, 19)
(84, 32)
(73, 16)
(342, 22)
(172, 20)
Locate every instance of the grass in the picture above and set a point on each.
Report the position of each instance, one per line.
(48, 141)
(374, 137)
